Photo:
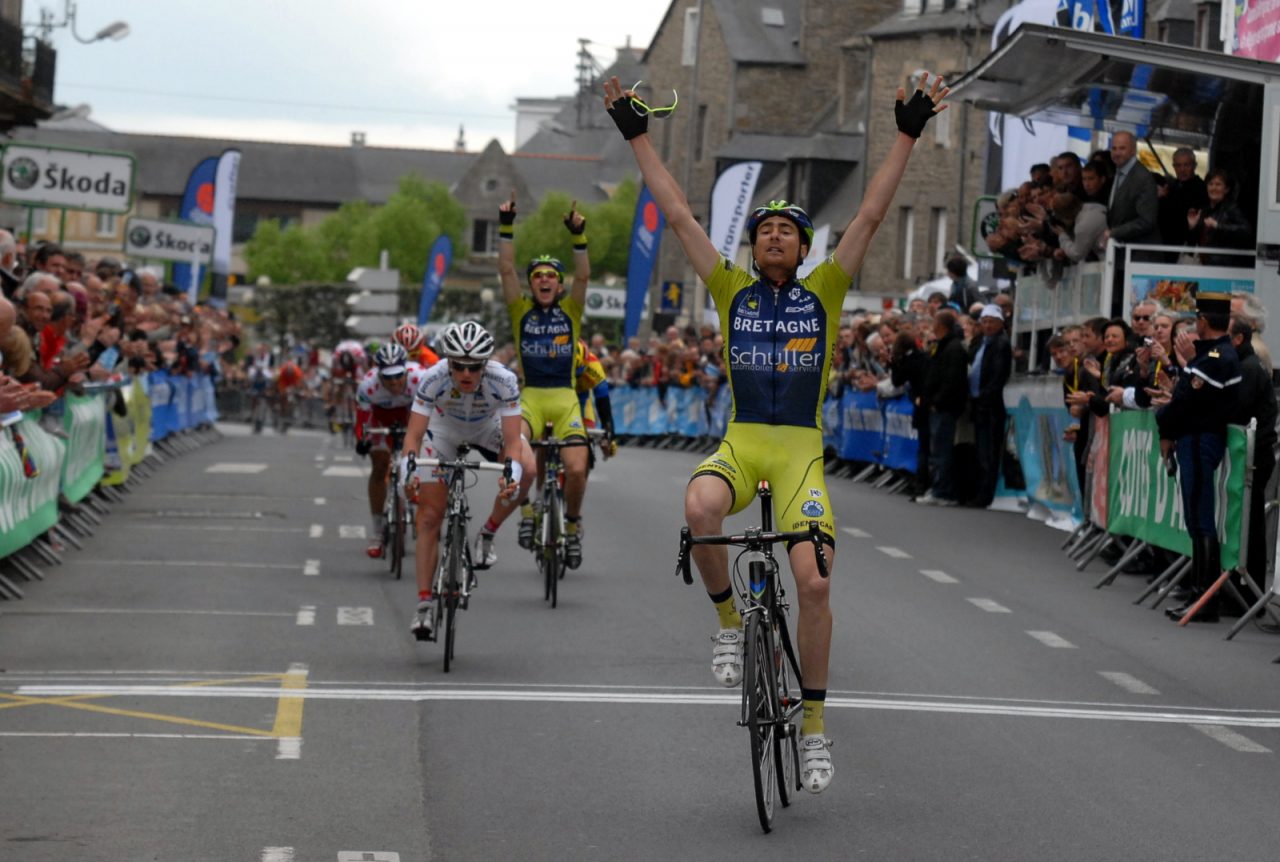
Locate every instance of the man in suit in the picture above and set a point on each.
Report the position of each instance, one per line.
(1133, 210)
(990, 363)
(946, 396)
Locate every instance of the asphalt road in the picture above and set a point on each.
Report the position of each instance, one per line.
(223, 675)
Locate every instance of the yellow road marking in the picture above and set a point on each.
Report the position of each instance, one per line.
(289, 709)
(288, 680)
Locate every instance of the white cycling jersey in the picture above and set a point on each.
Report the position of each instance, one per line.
(449, 408)
(371, 392)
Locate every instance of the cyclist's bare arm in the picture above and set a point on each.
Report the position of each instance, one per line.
(414, 434)
(669, 197)
(507, 260)
(855, 241)
(511, 428)
(581, 262)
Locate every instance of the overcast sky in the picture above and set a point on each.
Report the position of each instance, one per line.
(405, 72)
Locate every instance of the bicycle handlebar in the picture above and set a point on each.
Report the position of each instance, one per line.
(504, 467)
(752, 537)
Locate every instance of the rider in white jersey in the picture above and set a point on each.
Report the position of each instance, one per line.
(383, 399)
(465, 398)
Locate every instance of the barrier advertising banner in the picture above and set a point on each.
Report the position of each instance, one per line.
(1143, 499)
(84, 421)
(28, 505)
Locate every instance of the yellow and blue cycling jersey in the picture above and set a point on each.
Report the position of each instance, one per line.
(545, 340)
(778, 341)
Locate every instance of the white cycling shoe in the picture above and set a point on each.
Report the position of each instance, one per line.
(726, 658)
(484, 556)
(816, 768)
(424, 623)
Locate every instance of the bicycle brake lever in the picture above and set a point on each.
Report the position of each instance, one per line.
(506, 470)
(815, 536)
(682, 561)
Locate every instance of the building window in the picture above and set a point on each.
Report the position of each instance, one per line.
(689, 47)
(938, 238)
(105, 224)
(700, 133)
(484, 237)
(942, 129)
(39, 220)
(906, 233)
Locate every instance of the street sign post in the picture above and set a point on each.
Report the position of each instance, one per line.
(98, 181)
(172, 240)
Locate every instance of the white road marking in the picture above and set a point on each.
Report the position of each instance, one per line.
(277, 854)
(344, 458)
(295, 683)
(290, 748)
(1050, 639)
(989, 605)
(939, 576)
(663, 696)
(207, 528)
(52, 734)
(234, 467)
(855, 532)
(348, 616)
(320, 501)
(205, 564)
(317, 531)
(1128, 682)
(368, 856)
(1231, 739)
(141, 612)
(348, 472)
(896, 553)
(312, 567)
(307, 615)
(319, 457)
(351, 531)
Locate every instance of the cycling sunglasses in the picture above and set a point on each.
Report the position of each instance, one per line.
(473, 367)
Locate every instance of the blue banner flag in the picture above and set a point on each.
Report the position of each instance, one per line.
(438, 260)
(197, 206)
(646, 233)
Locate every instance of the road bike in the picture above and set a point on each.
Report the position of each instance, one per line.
(455, 575)
(549, 516)
(398, 513)
(343, 419)
(771, 673)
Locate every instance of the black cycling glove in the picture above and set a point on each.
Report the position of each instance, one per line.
(363, 447)
(507, 217)
(914, 114)
(630, 122)
(578, 229)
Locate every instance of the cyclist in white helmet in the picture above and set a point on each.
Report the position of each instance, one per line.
(464, 398)
(382, 400)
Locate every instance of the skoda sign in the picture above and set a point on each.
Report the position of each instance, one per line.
(71, 179)
(166, 239)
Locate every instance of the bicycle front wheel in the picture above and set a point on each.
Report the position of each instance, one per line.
(396, 555)
(452, 586)
(785, 741)
(552, 552)
(760, 692)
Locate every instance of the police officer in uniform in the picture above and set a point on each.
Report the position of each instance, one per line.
(1193, 424)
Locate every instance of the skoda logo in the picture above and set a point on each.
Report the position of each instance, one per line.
(23, 173)
(140, 236)
(594, 301)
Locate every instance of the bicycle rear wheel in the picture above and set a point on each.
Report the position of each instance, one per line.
(761, 696)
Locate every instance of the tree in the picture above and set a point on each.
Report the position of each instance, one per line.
(307, 312)
(608, 230)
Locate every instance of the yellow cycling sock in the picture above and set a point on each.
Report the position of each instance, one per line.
(526, 510)
(571, 525)
(727, 610)
(814, 701)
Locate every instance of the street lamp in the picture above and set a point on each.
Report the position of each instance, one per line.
(115, 31)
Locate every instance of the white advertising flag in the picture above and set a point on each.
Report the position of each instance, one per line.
(731, 204)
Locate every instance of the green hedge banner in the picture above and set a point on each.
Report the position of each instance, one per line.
(28, 506)
(1143, 500)
(85, 422)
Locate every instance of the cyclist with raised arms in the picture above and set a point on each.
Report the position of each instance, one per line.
(383, 399)
(545, 325)
(465, 398)
(779, 334)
